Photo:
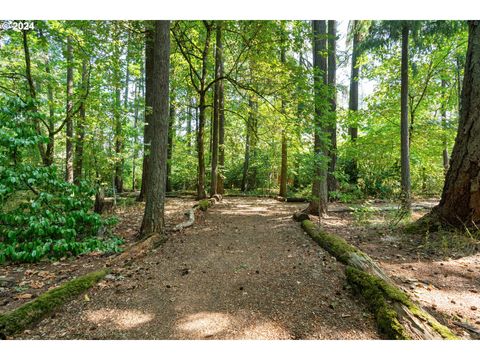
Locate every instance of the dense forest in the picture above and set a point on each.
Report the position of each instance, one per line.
(332, 117)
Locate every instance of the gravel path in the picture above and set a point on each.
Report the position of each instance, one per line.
(244, 271)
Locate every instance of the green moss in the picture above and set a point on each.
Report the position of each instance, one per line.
(385, 315)
(379, 294)
(33, 311)
(335, 245)
(444, 332)
(204, 204)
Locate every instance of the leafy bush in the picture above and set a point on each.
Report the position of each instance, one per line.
(40, 214)
(44, 216)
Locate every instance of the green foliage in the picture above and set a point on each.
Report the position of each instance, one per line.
(40, 214)
(57, 221)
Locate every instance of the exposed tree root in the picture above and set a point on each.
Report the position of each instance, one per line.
(190, 213)
(203, 205)
(32, 312)
(397, 315)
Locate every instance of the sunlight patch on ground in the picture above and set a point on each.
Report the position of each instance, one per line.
(450, 300)
(204, 324)
(122, 319)
(265, 330)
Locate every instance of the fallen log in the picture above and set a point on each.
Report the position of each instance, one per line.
(291, 199)
(397, 315)
(32, 312)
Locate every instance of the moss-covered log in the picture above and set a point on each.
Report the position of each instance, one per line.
(343, 251)
(397, 315)
(30, 313)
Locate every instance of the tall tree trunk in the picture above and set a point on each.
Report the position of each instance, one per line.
(153, 219)
(171, 136)
(246, 161)
(50, 149)
(139, 86)
(216, 110)
(117, 115)
(404, 130)
(284, 163)
(69, 110)
(249, 177)
(33, 96)
(318, 203)
(189, 125)
(147, 129)
(352, 168)
(460, 202)
(444, 129)
(80, 130)
(283, 170)
(332, 83)
(221, 128)
(201, 148)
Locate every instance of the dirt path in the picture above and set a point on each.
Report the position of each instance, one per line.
(245, 271)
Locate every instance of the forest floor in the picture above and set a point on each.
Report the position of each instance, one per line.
(246, 270)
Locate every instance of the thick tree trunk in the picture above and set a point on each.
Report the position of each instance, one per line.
(460, 202)
(318, 204)
(80, 130)
(69, 110)
(147, 132)
(352, 168)
(153, 219)
(404, 130)
(332, 83)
